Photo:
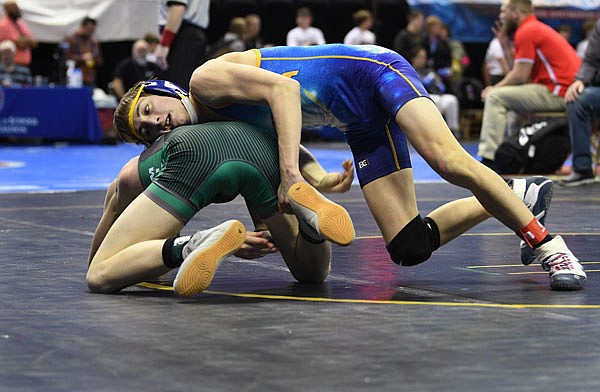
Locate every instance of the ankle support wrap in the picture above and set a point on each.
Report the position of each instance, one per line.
(533, 233)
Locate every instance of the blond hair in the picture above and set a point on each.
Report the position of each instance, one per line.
(121, 121)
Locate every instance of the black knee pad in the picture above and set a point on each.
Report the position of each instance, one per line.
(415, 242)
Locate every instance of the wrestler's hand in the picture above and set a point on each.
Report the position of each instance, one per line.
(337, 182)
(282, 193)
(257, 244)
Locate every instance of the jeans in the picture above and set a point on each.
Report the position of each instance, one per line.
(580, 115)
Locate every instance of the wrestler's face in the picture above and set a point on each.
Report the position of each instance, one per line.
(156, 114)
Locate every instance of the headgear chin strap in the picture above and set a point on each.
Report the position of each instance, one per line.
(165, 88)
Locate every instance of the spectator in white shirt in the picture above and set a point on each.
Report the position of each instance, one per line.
(304, 34)
(361, 33)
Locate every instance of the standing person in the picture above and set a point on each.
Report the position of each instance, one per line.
(84, 49)
(361, 33)
(183, 39)
(134, 69)
(182, 172)
(14, 28)
(544, 66)
(377, 100)
(304, 34)
(583, 105)
(411, 36)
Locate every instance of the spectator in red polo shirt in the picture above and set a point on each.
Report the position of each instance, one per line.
(13, 27)
(545, 64)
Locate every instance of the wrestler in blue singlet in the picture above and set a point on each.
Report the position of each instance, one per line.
(355, 89)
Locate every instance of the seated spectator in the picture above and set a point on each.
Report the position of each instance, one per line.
(361, 33)
(12, 74)
(587, 28)
(232, 41)
(254, 39)
(438, 49)
(495, 63)
(459, 58)
(152, 40)
(583, 105)
(134, 69)
(447, 104)
(411, 36)
(544, 66)
(13, 27)
(304, 34)
(565, 31)
(83, 48)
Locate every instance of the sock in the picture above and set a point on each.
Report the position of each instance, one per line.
(309, 239)
(548, 238)
(534, 234)
(172, 251)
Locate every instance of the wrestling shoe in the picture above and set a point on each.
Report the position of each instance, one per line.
(319, 217)
(203, 254)
(565, 271)
(536, 193)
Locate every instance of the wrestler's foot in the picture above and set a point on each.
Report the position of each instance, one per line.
(565, 271)
(319, 217)
(536, 193)
(203, 254)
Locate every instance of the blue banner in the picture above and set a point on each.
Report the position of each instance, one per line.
(472, 21)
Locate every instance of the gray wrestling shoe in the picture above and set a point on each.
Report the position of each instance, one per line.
(203, 254)
(536, 193)
(565, 271)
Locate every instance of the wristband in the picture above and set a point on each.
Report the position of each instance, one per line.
(167, 37)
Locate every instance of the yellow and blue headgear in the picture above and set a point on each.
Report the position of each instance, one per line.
(165, 88)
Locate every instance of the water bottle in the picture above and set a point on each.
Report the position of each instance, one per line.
(74, 76)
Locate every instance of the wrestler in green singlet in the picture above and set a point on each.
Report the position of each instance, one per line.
(196, 165)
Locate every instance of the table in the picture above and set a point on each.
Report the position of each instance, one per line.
(53, 113)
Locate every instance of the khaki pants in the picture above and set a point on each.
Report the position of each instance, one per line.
(522, 99)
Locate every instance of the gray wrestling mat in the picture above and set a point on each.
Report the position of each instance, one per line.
(472, 318)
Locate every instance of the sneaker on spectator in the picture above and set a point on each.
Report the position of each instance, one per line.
(565, 271)
(203, 254)
(536, 193)
(578, 178)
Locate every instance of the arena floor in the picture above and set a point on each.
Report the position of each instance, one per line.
(472, 318)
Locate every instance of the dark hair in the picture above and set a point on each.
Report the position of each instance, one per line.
(88, 20)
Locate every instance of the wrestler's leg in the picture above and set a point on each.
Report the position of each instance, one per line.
(307, 261)
(132, 249)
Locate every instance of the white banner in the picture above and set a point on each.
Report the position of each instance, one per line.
(118, 20)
